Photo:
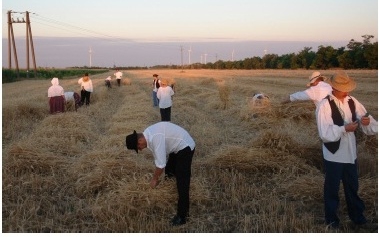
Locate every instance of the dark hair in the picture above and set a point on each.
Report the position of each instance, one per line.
(86, 74)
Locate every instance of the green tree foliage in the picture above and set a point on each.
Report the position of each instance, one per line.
(356, 55)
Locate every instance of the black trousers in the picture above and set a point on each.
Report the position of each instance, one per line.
(348, 173)
(85, 96)
(165, 114)
(119, 82)
(179, 165)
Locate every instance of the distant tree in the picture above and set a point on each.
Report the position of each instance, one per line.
(370, 51)
(284, 61)
(270, 61)
(257, 63)
(305, 57)
(326, 57)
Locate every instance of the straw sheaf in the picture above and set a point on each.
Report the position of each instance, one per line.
(298, 111)
(65, 134)
(256, 160)
(26, 159)
(275, 139)
(306, 187)
(19, 119)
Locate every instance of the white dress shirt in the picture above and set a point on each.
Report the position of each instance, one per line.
(329, 132)
(164, 138)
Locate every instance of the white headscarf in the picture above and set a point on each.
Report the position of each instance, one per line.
(55, 89)
(55, 81)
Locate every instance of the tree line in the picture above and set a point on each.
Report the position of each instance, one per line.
(356, 55)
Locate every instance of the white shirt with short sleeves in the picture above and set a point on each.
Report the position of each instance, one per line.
(164, 138)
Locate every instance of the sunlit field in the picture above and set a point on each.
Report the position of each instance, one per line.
(255, 169)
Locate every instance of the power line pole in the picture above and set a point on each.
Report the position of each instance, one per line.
(181, 53)
(29, 42)
(90, 56)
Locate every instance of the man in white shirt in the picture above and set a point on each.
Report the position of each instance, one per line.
(318, 90)
(168, 139)
(338, 116)
(118, 75)
(164, 95)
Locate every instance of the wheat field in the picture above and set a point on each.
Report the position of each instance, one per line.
(255, 169)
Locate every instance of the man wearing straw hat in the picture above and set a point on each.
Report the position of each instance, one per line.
(168, 139)
(317, 90)
(338, 116)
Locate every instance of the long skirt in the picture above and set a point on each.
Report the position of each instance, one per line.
(56, 104)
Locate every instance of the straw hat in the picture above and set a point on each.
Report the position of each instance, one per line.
(314, 77)
(164, 82)
(342, 83)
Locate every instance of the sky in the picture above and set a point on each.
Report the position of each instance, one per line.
(174, 25)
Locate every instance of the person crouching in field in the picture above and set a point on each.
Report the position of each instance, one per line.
(338, 116)
(168, 139)
(86, 89)
(56, 97)
(108, 82)
(164, 95)
(71, 96)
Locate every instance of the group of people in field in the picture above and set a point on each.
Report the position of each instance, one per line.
(338, 116)
(58, 98)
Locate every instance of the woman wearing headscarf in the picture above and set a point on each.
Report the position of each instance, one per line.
(86, 89)
(56, 97)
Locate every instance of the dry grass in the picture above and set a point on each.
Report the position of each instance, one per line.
(256, 168)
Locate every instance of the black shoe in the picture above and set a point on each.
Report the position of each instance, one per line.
(177, 220)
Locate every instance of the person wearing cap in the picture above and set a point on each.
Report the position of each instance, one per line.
(317, 90)
(118, 75)
(164, 95)
(338, 116)
(156, 85)
(167, 139)
(56, 97)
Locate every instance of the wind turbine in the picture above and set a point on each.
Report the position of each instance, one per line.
(189, 56)
(205, 58)
(90, 56)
